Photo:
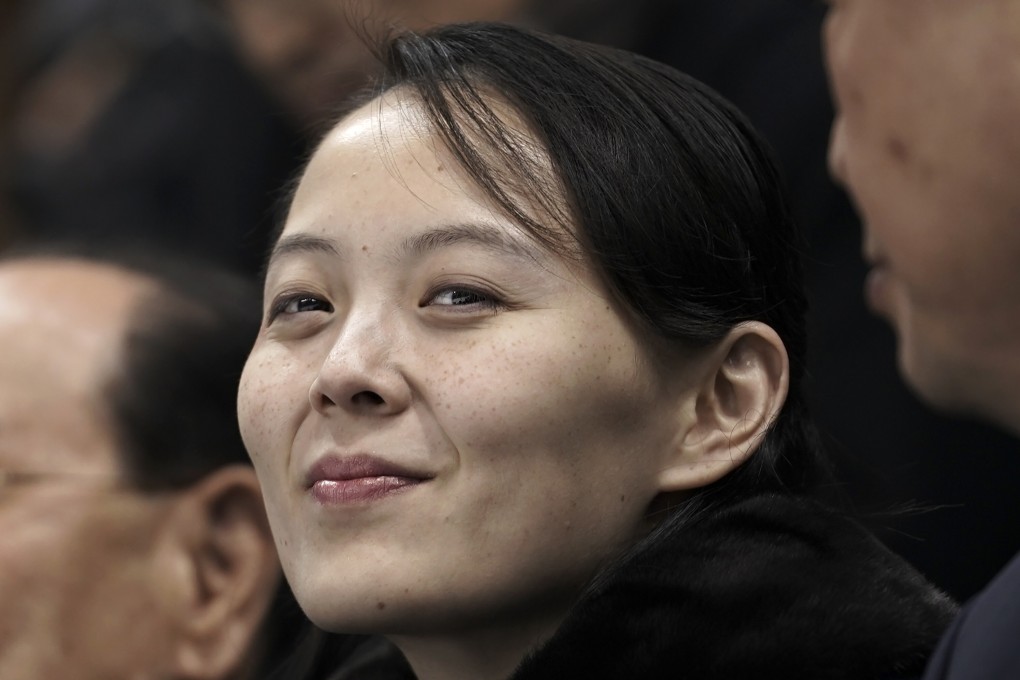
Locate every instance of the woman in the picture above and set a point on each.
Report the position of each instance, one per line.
(527, 396)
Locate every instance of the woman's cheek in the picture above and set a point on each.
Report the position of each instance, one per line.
(259, 405)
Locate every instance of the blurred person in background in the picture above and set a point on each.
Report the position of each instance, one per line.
(134, 121)
(133, 540)
(312, 53)
(925, 140)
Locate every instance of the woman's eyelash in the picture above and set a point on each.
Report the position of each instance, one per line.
(297, 303)
(462, 296)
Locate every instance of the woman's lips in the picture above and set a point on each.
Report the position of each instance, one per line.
(363, 489)
(358, 479)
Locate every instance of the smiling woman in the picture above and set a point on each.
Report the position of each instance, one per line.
(526, 398)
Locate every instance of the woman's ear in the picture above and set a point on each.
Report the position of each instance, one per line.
(222, 573)
(743, 386)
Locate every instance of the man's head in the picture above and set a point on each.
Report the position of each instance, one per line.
(132, 536)
(310, 51)
(926, 142)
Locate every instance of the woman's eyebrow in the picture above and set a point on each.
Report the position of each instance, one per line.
(303, 243)
(489, 237)
(430, 240)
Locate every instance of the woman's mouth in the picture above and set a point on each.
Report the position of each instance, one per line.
(346, 480)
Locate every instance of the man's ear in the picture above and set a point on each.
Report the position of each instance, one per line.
(220, 573)
(742, 388)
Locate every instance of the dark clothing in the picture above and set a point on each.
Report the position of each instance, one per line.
(984, 641)
(769, 587)
(375, 659)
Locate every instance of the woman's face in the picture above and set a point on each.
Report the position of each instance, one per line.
(453, 427)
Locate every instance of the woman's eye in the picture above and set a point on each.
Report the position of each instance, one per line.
(461, 297)
(297, 304)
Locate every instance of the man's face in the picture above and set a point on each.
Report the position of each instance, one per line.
(927, 143)
(314, 58)
(306, 51)
(75, 560)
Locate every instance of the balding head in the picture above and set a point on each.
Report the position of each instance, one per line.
(62, 327)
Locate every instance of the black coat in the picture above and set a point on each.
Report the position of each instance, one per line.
(769, 587)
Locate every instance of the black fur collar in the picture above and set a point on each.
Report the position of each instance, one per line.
(771, 587)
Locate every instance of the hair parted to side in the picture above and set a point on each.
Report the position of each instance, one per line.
(664, 187)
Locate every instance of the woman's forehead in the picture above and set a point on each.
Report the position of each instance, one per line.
(393, 130)
(379, 158)
(398, 114)
(394, 112)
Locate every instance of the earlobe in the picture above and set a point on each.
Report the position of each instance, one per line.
(227, 573)
(744, 386)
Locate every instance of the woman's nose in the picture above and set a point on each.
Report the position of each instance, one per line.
(360, 373)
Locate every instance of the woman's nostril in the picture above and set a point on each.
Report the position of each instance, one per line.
(367, 398)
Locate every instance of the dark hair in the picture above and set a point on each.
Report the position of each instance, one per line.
(174, 398)
(668, 191)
